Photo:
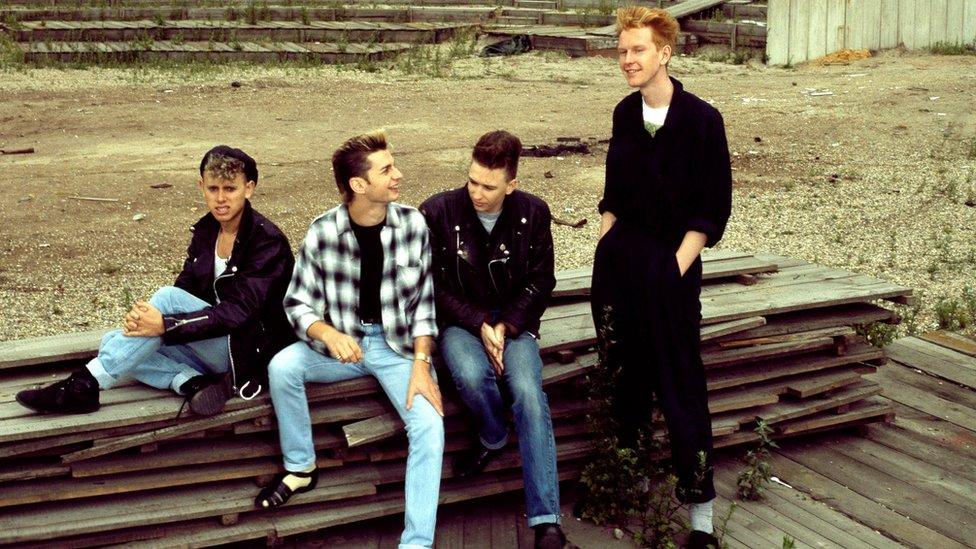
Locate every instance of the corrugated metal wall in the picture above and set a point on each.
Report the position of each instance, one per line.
(799, 30)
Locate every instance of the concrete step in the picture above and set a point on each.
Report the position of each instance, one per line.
(100, 52)
(233, 31)
(512, 20)
(537, 4)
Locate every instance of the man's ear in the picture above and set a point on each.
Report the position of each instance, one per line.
(358, 184)
(666, 53)
(200, 183)
(511, 186)
(249, 189)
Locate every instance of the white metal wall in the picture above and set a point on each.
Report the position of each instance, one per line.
(799, 30)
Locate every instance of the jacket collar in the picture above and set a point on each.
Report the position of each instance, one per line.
(676, 109)
(344, 223)
(471, 215)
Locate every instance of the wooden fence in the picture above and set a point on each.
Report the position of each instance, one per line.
(800, 30)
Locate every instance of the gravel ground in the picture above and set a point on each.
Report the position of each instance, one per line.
(869, 166)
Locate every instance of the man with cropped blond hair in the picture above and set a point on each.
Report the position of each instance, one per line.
(668, 194)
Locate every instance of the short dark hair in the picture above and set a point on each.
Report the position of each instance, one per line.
(498, 149)
(226, 162)
(349, 160)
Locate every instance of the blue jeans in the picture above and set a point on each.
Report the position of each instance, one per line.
(298, 364)
(478, 387)
(151, 362)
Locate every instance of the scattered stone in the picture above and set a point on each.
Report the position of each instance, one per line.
(235, 84)
(161, 186)
(27, 198)
(548, 175)
(139, 217)
(618, 533)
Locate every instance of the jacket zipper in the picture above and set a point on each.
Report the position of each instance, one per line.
(187, 321)
(230, 353)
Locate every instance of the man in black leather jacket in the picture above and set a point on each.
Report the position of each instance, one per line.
(493, 276)
(214, 331)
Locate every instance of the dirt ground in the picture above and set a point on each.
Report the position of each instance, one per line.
(867, 166)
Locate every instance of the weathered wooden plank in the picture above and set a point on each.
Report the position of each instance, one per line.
(914, 390)
(883, 487)
(836, 25)
(889, 24)
(922, 446)
(799, 31)
(776, 368)
(722, 329)
(734, 357)
(818, 30)
(121, 511)
(778, 33)
(805, 386)
(935, 360)
(906, 23)
(866, 511)
(922, 23)
(39, 350)
(938, 12)
(951, 341)
(871, 23)
(969, 22)
(816, 319)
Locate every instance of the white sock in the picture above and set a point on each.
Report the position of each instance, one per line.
(296, 482)
(701, 516)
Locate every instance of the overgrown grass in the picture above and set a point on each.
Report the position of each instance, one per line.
(945, 48)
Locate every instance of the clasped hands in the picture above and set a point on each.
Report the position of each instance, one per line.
(493, 338)
(143, 320)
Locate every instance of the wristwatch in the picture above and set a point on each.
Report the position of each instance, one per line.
(424, 357)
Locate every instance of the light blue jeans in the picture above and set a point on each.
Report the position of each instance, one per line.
(148, 360)
(478, 387)
(298, 364)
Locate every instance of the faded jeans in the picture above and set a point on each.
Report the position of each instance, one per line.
(153, 363)
(298, 364)
(478, 387)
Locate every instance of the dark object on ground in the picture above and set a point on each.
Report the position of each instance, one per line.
(78, 394)
(161, 186)
(549, 536)
(519, 43)
(702, 540)
(548, 175)
(574, 224)
(28, 150)
(559, 149)
(235, 84)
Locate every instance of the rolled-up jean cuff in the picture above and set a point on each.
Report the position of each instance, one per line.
(496, 445)
(180, 378)
(411, 546)
(105, 379)
(544, 519)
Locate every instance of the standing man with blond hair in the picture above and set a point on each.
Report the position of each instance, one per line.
(361, 300)
(668, 194)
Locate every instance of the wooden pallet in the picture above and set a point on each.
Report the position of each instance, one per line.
(779, 348)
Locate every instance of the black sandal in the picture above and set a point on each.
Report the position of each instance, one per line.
(277, 493)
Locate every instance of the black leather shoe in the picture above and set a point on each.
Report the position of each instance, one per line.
(206, 394)
(474, 461)
(78, 394)
(702, 540)
(549, 536)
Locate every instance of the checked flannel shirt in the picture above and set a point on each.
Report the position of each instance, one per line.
(325, 282)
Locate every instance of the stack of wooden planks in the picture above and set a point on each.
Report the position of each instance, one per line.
(778, 344)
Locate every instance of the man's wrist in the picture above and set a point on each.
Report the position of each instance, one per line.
(423, 357)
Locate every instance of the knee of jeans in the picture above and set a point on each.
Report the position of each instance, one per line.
(109, 335)
(163, 296)
(425, 425)
(282, 370)
(529, 400)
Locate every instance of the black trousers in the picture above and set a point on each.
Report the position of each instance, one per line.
(654, 316)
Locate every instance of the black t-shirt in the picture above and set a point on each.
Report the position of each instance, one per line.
(371, 270)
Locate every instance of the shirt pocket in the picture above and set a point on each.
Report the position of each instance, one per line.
(408, 278)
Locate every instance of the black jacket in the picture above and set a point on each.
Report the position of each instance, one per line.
(677, 181)
(503, 277)
(245, 301)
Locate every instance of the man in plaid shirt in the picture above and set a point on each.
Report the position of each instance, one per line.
(362, 301)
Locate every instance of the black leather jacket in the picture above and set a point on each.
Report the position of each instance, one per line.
(245, 301)
(503, 277)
